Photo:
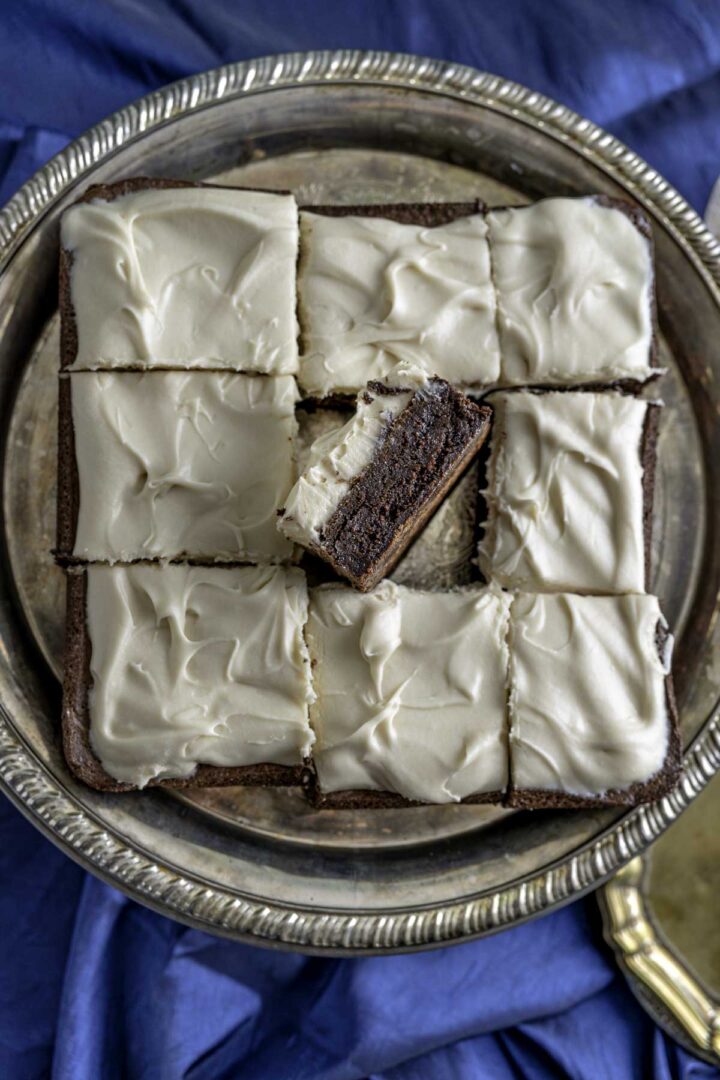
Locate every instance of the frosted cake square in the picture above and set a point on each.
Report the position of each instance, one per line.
(186, 676)
(575, 292)
(160, 273)
(382, 286)
(410, 695)
(592, 713)
(170, 464)
(570, 491)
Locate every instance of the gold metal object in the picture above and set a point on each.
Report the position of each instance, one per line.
(662, 917)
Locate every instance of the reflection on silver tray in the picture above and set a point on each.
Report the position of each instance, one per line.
(262, 864)
(660, 916)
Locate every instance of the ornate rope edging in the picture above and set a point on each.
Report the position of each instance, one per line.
(291, 69)
(219, 909)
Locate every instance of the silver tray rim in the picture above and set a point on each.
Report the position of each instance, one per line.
(63, 818)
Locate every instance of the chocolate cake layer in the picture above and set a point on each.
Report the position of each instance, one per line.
(68, 485)
(648, 457)
(422, 455)
(378, 800)
(429, 214)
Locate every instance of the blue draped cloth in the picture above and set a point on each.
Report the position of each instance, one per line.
(93, 985)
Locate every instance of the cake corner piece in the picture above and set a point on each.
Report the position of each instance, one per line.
(612, 737)
(206, 258)
(104, 700)
(542, 272)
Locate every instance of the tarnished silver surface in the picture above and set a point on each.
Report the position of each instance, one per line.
(263, 865)
(660, 916)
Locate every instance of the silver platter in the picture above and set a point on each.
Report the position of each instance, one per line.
(262, 865)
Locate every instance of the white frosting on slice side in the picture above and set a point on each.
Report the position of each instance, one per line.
(185, 277)
(339, 457)
(565, 493)
(182, 463)
(196, 665)
(374, 293)
(574, 285)
(410, 691)
(588, 707)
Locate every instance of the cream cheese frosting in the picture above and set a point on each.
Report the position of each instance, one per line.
(375, 293)
(337, 458)
(182, 463)
(196, 665)
(588, 709)
(574, 285)
(411, 690)
(565, 493)
(185, 277)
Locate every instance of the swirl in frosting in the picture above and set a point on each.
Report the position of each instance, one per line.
(175, 463)
(375, 294)
(185, 277)
(411, 690)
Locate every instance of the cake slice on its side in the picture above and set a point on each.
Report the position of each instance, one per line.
(426, 719)
(165, 274)
(575, 292)
(174, 464)
(369, 488)
(186, 676)
(592, 711)
(380, 286)
(570, 492)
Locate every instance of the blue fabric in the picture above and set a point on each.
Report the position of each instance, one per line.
(92, 985)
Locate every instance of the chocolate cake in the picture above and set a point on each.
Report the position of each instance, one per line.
(387, 285)
(184, 674)
(592, 713)
(426, 719)
(369, 488)
(167, 274)
(128, 720)
(570, 491)
(574, 279)
(174, 464)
